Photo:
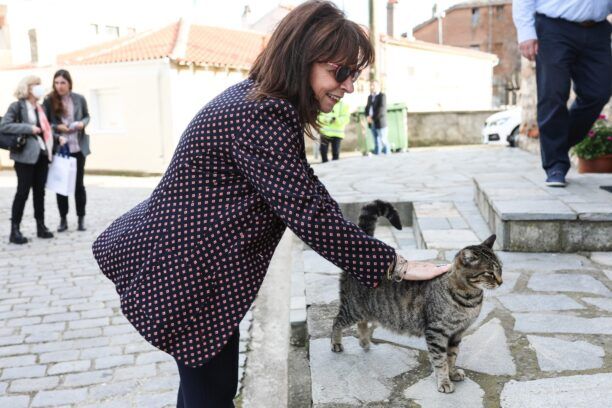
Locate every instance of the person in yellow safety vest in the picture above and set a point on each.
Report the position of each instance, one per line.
(332, 129)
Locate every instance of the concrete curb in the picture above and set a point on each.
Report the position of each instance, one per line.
(266, 376)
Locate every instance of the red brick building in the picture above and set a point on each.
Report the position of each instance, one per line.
(485, 26)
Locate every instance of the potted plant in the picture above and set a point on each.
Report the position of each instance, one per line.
(594, 152)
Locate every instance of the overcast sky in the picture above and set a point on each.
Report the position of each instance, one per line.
(224, 13)
(410, 12)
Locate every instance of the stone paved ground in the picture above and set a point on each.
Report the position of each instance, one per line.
(63, 339)
(544, 338)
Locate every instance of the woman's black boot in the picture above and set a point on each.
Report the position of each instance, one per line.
(81, 223)
(42, 231)
(63, 225)
(16, 237)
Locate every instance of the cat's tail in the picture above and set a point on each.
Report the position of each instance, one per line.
(370, 213)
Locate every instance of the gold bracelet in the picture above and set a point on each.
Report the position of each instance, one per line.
(397, 278)
(391, 269)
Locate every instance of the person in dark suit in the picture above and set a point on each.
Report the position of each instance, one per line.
(376, 113)
(189, 260)
(570, 42)
(26, 117)
(69, 116)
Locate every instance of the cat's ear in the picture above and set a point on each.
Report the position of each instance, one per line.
(489, 241)
(467, 257)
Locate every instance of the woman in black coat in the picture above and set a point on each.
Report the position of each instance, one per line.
(26, 117)
(188, 261)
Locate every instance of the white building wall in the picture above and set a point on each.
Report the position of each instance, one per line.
(129, 104)
(192, 89)
(430, 81)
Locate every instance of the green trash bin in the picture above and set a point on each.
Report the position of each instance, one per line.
(397, 129)
(397, 126)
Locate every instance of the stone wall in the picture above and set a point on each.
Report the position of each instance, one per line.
(427, 129)
(446, 128)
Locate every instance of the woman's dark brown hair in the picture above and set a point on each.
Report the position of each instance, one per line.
(56, 100)
(315, 31)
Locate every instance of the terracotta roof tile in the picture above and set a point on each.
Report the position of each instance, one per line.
(205, 46)
(223, 47)
(136, 47)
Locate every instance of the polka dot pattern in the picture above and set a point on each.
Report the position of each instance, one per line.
(188, 261)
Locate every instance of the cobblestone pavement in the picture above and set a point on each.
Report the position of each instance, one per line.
(63, 339)
(64, 342)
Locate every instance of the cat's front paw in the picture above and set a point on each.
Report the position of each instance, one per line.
(446, 386)
(337, 347)
(457, 375)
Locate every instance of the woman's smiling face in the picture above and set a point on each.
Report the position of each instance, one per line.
(326, 89)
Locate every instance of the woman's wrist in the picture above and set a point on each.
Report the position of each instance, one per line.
(397, 269)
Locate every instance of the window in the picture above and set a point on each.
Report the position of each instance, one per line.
(475, 16)
(107, 110)
(112, 31)
(33, 45)
(499, 12)
(4, 44)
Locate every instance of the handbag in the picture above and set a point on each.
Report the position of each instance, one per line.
(11, 142)
(61, 178)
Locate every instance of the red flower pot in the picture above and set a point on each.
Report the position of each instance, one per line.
(602, 164)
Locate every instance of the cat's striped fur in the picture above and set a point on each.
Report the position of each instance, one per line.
(440, 309)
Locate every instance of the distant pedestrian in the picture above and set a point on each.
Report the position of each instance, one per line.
(189, 261)
(569, 41)
(69, 116)
(26, 117)
(332, 129)
(376, 113)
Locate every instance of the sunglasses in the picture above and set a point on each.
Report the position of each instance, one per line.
(342, 72)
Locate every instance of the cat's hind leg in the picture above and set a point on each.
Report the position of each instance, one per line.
(454, 373)
(341, 322)
(437, 343)
(365, 334)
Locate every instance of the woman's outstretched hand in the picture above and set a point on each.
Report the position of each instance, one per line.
(414, 270)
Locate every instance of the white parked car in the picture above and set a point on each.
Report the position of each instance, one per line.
(502, 127)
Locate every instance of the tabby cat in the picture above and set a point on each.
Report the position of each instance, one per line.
(441, 309)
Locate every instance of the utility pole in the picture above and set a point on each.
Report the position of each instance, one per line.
(373, 39)
(439, 14)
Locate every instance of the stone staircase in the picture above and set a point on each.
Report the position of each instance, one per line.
(529, 217)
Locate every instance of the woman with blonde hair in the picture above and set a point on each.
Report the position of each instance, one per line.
(26, 117)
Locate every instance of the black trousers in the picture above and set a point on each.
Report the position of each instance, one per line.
(335, 145)
(214, 384)
(80, 197)
(569, 52)
(30, 176)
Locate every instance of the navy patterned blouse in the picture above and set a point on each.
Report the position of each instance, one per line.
(188, 261)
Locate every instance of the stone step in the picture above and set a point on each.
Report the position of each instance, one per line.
(530, 217)
(447, 225)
